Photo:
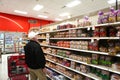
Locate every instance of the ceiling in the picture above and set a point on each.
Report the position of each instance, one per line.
(52, 8)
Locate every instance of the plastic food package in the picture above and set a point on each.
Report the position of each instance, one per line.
(105, 18)
(115, 77)
(112, 15)
(100, 18)
(118, 15)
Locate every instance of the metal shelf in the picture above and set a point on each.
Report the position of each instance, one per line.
(74, 38)
(88, 51)
(108, 24)
(90, 75)
(59, 72)
(92, 65)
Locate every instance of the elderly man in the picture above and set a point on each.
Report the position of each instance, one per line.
(35, 58)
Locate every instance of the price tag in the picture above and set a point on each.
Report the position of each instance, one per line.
(88, 28)
(93, 28)
(92, 40)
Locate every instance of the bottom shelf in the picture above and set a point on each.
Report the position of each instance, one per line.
(58, 72)
(49, 77)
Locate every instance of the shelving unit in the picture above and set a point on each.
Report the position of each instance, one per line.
(92, 65)
(92, 76)
(88, 51)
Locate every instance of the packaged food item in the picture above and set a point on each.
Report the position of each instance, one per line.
(118, 31)
(86, 21)
(111, 48)
(78, 67)
(73, 65)
(95, 45)
(98, 72)
(115, 77)
(100, 18)
(102, 60)
(105, 18)
(103, 32)
(105, 75)
(89, 60)
(96, 32)
(116, 66)
(117, 46)
(95, 58)
(103, 49)
(112, 32)
(118, 15)
(112, 15)
(108, 61)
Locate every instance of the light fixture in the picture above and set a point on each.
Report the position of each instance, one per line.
(58, 19)
(64, 14)
(111, 1)
(42, 16)
(21, 12)
(69, 16)
(73, 3)
(38, 7)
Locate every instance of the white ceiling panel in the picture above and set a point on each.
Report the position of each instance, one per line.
(52, 8)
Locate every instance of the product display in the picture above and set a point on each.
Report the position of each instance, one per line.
(77, 45)
(85, 22)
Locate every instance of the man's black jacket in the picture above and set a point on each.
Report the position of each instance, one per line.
(34, 55)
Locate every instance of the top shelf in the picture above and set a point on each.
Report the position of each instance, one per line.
(86, 27)
(108, 24)
(66, 29)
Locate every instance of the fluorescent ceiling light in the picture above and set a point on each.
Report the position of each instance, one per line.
(111, 1)
(73, 3)
(21, 12)
(64, 14)
(69, 16)
(58, 19)
(42, 16)
(38, 7)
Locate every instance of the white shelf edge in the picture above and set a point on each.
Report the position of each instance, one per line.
(49, 77)
(92, 65)
(97, 25)
(107, 24)
(59, 72)
(74, 38)
(67, 29)
(88, 38)
(95, 52)
(106, 37)
(41, 38)
(85, 74)
(114, 71)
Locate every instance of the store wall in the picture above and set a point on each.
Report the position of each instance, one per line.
(15, 23)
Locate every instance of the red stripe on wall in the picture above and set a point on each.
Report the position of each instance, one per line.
(15, 23)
